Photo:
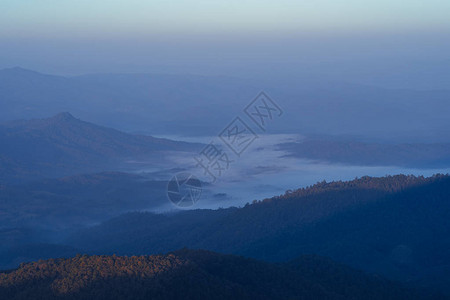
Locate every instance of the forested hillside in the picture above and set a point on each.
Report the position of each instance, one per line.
(396, 226)
(188, 274)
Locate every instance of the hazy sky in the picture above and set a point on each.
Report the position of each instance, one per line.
(97, 17)
(233, 37)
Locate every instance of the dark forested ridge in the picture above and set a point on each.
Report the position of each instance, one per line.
(189, 274)
(396, 226)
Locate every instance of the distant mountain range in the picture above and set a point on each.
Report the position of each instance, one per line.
(188, 274)
(155, 103)
(393, 226)
(354, 152)
(64, 145)
(200, 105)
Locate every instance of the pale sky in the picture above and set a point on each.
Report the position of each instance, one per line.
(134, 17)
(227, 37)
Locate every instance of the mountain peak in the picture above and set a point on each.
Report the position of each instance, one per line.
(18, 70)
(63, 116)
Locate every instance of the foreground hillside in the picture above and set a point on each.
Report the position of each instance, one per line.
(395, 226)
(188, 274)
